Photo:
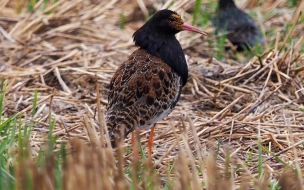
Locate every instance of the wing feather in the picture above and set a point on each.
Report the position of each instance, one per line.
(143, 91)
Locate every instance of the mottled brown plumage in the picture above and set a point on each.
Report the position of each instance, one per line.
(142, 90)
(147, 86)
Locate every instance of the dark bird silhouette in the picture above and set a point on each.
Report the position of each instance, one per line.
(240, 27)
(147, 86)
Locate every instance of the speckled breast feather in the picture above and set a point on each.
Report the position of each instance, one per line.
(143, 91)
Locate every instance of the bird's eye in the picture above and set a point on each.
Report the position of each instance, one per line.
(172, 19)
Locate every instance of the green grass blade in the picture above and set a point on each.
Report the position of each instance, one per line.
(122, 21)
(218, 147)
(197, 7)
(35, 99)
(2, 95)
(249, 158)
(30, 6)
(276, 157)
(6, 123)
(260, 168)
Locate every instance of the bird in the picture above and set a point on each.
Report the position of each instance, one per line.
(147, 86)
(240, 28)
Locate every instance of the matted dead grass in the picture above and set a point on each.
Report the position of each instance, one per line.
(59, 50)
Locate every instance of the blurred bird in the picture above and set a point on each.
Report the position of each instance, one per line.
(147, 86)
(240, 27)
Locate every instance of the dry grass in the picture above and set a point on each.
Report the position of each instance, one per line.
(59, 50)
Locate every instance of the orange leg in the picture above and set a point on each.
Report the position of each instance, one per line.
(150, 141)
(132, 138)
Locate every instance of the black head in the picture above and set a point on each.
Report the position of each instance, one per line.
(157, 36)
(165, 21)
(224, 4)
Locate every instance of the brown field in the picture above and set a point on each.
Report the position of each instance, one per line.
(226, 106)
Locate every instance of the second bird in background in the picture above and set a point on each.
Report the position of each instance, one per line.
(240, 27)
